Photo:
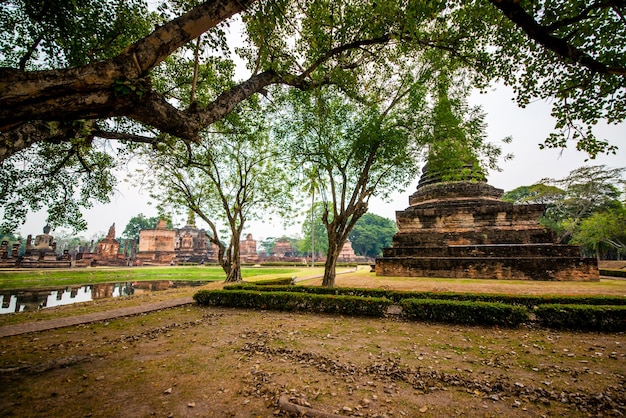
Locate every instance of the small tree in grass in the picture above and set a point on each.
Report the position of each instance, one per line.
(359, 151)
(229, 178)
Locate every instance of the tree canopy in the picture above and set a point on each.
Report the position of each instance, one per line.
(78, 74)
(231, 177)
(359, 151)
(140, 222)
(371, 234)
(588, 189)
(603, 234)
(578, 204)
(536, 193)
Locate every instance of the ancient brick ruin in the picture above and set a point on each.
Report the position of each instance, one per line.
(42, 253)
(107, 253)
(186, 245)
(247, 250)
(462, 229)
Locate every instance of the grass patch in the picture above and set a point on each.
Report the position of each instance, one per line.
(35, 279)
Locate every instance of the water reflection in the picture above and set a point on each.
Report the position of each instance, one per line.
(12, 301)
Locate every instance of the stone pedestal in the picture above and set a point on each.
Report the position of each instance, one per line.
(463, 229)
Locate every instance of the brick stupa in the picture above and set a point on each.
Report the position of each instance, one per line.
(463, 229)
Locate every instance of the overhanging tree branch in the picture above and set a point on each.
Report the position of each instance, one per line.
(51, 86)
(124, 136)
(115, 87)
(583, 15)
(141, 103)
(513, 10)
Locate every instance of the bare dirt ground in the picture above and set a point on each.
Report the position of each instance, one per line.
(217, 362)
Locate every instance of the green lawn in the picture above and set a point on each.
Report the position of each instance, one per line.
(30, 279)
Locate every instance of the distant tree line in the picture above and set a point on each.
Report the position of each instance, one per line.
(369, 236)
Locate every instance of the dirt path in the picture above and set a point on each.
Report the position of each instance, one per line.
(11, 330)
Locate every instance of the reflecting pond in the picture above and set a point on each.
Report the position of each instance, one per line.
(12, 301)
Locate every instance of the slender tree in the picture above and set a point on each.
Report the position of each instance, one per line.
(314, 234)
(312, 185)
(227, 179)
(360, 150)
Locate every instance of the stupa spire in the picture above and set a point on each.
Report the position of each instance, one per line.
(450, 153)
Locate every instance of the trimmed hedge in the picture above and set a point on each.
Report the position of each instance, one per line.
(582, 317)
(288, 301)
(612, 273)
(588, 315)
(467, 313)
(529, 301)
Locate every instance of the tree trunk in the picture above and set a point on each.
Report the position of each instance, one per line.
(330, 267)
(224, 259)
(313, 229)
(234, 275)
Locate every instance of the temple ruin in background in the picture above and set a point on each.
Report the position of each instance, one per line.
(248, 251)
(156, 246)
(186, 245)
(42, 253)
(9, 254)
(107, 253)
(347, 254)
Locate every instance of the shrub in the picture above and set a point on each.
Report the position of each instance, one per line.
(582, 317)
(396, 296)
(468, 313)
(530, 301)
(551, 311)
(289, 301)
(613, 273)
